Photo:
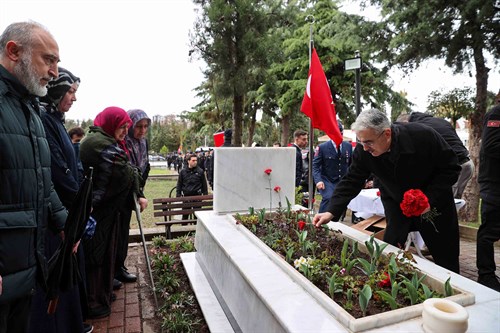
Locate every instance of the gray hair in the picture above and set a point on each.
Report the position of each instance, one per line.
(22, 33)
(374, 119)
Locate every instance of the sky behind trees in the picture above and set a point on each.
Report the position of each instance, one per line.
(134, 54)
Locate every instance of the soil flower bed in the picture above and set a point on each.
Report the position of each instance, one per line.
(179, 310)
(362, 282)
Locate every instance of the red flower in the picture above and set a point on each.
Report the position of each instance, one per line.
(268, 171)
(378, 193)
(414, 203)
(386, 282)
(301, 224)
(277, 189)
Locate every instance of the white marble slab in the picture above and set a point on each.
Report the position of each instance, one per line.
(215, 317)
(263, 297)
(240, 181)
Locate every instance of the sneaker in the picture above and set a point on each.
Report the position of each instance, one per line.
(490, 281)
(87, 328)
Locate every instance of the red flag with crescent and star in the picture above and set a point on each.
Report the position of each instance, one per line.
(318, 102)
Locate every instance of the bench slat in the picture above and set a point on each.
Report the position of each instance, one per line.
(170, 207)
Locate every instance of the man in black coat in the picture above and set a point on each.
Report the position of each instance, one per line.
(403, 157)
(489, 190)
(300, 142)
(444, 128)
(192, 180)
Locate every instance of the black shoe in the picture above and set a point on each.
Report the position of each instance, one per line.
(117, 284)
(489, 281)
(124, 276)
(99, 313)
(87, 328)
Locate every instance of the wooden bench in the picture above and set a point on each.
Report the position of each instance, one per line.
(172, 209)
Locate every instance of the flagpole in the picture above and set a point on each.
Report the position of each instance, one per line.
(310, 18)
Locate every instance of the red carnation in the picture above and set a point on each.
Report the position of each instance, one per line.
(268, 171)
(301, 224)
(414, 203)
(386, 282)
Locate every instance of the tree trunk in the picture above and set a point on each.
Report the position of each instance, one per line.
(471, 193)
(285, 129)
(237, 120)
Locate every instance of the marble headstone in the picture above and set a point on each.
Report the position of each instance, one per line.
(240, 181)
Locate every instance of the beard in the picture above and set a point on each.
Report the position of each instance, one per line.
(26, 73)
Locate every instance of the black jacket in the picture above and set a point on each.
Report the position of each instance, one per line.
(191, 182)
(489, 158)
(27, 198)
(419, 158)
(444, 128)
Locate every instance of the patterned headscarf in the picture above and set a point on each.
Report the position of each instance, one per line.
(110, 119)
(138, 147)
(57, 88)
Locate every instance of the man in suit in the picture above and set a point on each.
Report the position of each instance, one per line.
(300, 142)
(330, 163)
(402, 157)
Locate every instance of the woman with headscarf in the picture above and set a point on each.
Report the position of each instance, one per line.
(61, 93)
(137, 145)
(114, 180)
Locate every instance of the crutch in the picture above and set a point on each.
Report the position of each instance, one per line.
(139, 221)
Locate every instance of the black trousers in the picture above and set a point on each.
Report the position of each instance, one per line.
(487, 235)
(15, 315)
(122, 241)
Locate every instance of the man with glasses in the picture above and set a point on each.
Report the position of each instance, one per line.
(402, 157)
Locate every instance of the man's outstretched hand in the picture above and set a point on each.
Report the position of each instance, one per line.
(322, 218)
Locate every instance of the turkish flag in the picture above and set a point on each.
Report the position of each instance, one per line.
(318, 103)
(218, 139)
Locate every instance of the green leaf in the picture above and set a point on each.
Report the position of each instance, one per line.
(412, 292)
(364, 297)
(388, 298)
(427, 292)
(448, 290)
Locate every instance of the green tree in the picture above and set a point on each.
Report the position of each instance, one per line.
(461, 33)
(230, 35)
(454, 104)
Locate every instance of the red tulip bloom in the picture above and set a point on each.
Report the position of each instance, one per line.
(301, 224)
(268, 171)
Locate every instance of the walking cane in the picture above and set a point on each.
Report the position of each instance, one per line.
(139, 221)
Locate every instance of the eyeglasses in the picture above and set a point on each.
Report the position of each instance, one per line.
(369, 143)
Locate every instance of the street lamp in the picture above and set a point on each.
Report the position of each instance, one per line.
(355, 63)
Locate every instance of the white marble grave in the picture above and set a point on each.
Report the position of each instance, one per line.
(240, 181)
(259, 292)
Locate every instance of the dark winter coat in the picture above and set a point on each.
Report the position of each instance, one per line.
(27, 198)
(299, 166)
(114, 180)
(191, 181)
(418, 158)
(444, 128)
(489, 158)
(64, 167)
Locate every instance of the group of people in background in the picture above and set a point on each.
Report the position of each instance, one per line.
(37, 151)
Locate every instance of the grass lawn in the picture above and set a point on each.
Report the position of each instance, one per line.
(155, 188)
